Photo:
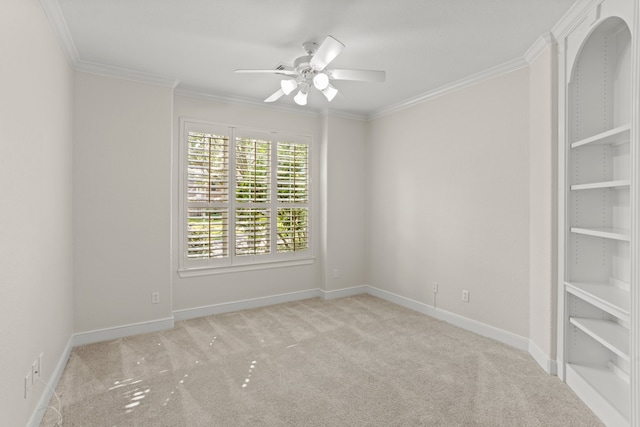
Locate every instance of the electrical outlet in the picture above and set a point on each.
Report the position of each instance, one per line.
(27, 383)
(435, 287)
(465, 295)
(336, 273)
(155, 297)
(34, 371)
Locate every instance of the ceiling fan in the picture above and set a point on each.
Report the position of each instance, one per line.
(310, 71)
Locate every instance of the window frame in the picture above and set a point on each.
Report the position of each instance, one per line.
(233, 262)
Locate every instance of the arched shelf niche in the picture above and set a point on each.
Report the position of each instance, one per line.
(598, 213)
(600, 82)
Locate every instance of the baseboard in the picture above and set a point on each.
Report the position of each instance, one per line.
(401, 301)
(228, 307)
(479, 328)
(209, 310)
(107, 334)
(345, 292)
(549, 365)
(483, 329)
(47, 394)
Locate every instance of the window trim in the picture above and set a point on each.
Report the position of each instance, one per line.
(233, 263)
(237, 268)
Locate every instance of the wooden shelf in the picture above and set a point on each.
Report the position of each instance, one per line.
(608, 298)
(610, 334)
(605, 393)
(619, 135)
(607, 233)
(614, 185)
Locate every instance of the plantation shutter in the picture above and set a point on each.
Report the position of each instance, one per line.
(253, 195)
(207, 195)
(293, 191)
(246, 196)
(293, 170)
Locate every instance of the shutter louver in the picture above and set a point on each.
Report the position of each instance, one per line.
(253, 231)
(253, 170)
(292, 229)
(293, 168)
(207, 233)
(208, 168)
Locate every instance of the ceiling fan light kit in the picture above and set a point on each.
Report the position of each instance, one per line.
(288, 86)
(321, 81)
(309, 71)
(330, 92)
(301, 96)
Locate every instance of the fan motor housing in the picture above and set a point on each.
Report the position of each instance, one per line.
(301, 64)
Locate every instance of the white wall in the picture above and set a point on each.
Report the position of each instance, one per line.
(346, 195)
(449, 201)
(205, 291)
(121, 201)
(542, 202)
(35, 218)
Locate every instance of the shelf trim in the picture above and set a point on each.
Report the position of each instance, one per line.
(610, 334)
(608, 298)
(614, 185)
(618, 135)
(607, 233)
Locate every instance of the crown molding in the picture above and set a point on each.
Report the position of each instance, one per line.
(60, 28)
(345, 114)
(123, 73)
(238, 100)
(496, 71)
(573, 17)
(539, 46)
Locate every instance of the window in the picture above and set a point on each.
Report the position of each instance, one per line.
(245, 196)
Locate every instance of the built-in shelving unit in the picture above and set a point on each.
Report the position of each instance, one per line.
(597, 242)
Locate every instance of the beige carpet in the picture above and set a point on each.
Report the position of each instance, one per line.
(356, 361)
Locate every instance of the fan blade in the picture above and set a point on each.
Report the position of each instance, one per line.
(285, 72)
(276, 95)
(327, 52)
(361, 75)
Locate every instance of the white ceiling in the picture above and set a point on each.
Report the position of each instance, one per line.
(423, 45)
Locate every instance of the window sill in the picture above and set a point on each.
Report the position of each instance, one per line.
(207, 271)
